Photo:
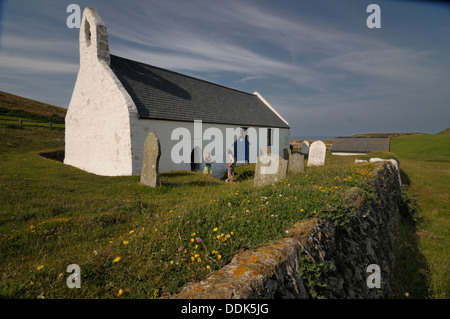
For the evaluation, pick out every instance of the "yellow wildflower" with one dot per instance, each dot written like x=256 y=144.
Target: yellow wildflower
x=215 y=229
x=126 y=242
x=219 y=256
x=116 y=259
x=40 y=267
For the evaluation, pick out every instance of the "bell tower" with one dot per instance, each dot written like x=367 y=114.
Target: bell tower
x=93 y=38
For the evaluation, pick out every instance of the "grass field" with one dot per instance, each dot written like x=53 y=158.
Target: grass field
x=137 y=241
x=425 y=159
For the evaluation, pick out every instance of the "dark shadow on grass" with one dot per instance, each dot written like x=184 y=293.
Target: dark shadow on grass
x=410 y=271
x=56 y=155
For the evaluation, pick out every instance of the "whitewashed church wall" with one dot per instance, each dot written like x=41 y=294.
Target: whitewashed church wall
x=163 y=129
x=97 y=133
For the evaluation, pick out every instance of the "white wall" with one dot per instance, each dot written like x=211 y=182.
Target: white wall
x=163 y=129
x=97 y=134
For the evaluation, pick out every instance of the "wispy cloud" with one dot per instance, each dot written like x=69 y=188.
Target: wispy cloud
x=314 y=61
x=25 y=54
x=25 y=65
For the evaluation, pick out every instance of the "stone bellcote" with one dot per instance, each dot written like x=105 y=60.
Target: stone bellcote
x=93 y=38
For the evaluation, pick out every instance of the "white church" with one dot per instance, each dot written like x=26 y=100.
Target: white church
x=117 y=102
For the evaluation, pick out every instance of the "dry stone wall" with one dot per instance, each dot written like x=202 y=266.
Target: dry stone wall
x=277 y=271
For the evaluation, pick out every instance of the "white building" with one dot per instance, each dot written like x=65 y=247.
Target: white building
x=116 y=102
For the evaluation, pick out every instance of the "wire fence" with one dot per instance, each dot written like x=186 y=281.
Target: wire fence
x=21 y=123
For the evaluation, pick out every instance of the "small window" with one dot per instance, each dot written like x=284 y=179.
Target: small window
x=269 y=137
x=87 y=32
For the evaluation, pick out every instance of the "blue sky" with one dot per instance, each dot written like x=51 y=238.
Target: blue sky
x=316 y=62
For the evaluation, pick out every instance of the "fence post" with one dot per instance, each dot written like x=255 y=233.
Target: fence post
x=50 y=124
x=20 y=123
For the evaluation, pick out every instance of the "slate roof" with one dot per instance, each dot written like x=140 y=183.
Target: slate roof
x=167 y=95
x=360 y=144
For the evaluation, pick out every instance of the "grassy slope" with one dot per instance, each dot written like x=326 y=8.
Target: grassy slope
x=426 y=161
x=14 y=108
x=18 y=103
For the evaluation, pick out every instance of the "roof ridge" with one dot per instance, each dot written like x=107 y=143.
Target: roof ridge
x=185 y=75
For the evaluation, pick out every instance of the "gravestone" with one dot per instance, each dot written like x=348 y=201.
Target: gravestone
x=296 y=163
x=304 y=148
x=317 y=152
x=270 y=168
x=150 y=165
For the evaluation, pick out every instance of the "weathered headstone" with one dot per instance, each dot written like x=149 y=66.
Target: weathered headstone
x=296 y=163
x=270 y=168
x=317 y=152
x=304 y=148
x=150 y=165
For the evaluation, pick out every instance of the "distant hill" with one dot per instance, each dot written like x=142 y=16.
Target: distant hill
x=17 y=106
x=446 y=131
x=390 y=135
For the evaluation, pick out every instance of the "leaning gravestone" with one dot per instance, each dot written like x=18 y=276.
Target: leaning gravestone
x=317 y=152
x=270 y=168
x=150 y=166
x=296 y=163
x=304 y=148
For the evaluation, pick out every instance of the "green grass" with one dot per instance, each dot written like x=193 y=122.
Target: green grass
x=425 y=162
x=53 y=215
x=30 y=122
